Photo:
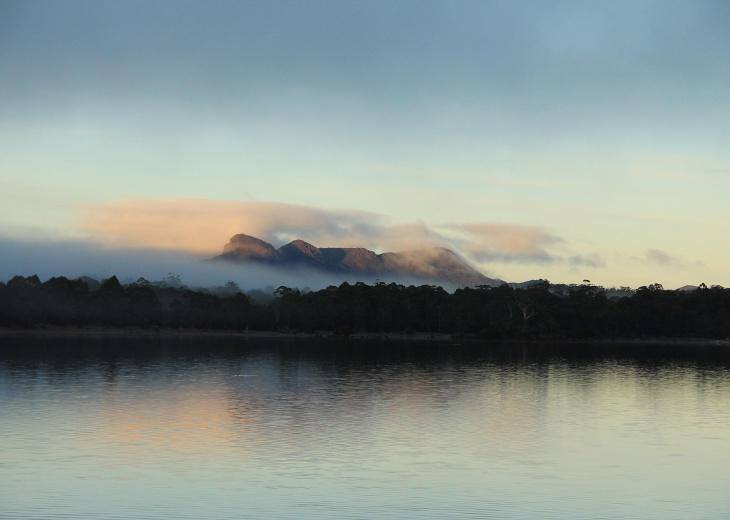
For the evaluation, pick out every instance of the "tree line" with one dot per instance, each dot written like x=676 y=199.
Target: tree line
x=538 y=310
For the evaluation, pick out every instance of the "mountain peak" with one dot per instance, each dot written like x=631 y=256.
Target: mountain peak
x=241 y=247
x=299 y=250
x=433 y=265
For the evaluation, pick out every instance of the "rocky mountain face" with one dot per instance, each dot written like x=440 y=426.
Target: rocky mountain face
x=433 y=266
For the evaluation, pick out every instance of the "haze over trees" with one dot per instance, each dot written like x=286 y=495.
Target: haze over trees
x=537 y=310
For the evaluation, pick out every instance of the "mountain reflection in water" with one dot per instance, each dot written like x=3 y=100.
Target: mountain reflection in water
x=228 y=428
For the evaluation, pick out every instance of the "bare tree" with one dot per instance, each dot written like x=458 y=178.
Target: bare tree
x=526 y=303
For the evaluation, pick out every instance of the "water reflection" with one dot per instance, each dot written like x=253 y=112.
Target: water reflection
x=229 y=428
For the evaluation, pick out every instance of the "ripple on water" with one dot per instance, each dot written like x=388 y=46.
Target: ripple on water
x=267 y=433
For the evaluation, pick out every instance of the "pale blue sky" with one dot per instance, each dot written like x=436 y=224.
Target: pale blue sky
x=571 y=139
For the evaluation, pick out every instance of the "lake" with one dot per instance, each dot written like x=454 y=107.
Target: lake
x=224 y=428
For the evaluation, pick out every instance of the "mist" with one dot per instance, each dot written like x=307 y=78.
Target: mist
x=77 y=258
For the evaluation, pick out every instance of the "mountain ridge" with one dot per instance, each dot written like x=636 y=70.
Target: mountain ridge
x=436 y=264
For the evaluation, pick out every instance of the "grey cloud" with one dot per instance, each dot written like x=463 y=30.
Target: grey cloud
x=517 y=59
x=586 y=261
x=662 y=258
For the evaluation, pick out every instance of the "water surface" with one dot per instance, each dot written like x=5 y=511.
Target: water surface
x=153 y=428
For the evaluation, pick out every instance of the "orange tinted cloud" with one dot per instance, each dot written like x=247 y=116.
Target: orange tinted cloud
x=506 y=242
x=205 y=226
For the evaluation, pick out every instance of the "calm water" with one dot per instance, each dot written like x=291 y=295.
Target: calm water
x=223 y=429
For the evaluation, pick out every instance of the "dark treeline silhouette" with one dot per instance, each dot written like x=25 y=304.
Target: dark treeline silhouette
x=539 y=310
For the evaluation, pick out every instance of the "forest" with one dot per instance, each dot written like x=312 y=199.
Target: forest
x=539 y=310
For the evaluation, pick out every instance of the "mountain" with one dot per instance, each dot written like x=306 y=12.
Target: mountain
x=435 y=265
x=687 y=288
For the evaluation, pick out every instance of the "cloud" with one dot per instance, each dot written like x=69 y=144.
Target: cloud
x=659 y=257
x=203 y=226
x=662 y=258
x=506 y=242
x=592 y=260
x=150 y=238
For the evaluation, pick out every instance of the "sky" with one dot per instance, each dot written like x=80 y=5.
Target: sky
x=536 y=139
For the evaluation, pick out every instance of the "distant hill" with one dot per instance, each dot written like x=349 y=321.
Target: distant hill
x=688 y=288
x=434 y=265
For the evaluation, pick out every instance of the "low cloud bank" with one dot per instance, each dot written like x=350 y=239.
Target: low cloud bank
x=73 y=259
x=76 y=258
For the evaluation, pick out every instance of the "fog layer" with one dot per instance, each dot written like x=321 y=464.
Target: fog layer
x=76 y=258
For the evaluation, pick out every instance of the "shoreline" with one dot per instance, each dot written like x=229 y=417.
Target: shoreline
x=128 y=332
x=52 y=330
x=88 y=331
